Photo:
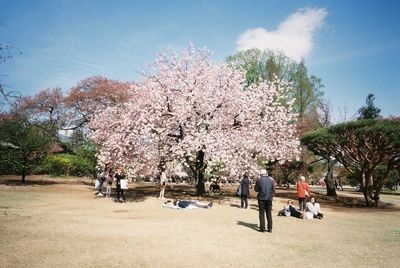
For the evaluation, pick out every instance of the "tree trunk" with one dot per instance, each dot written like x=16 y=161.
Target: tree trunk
x=24 y=170
x=23 y=175
x=367 y=196
x=377 y=195
x=378 y=188
x=161 y=165
x=200 y=188
x=200 y=168
x=368 y=187
x=329 y=181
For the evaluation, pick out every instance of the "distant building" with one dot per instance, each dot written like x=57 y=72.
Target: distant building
x=65 y=134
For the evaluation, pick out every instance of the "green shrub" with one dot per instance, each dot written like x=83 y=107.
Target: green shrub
x=67 y=164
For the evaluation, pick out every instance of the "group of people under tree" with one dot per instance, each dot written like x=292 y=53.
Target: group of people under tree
x=109 y=176
x=264 y=186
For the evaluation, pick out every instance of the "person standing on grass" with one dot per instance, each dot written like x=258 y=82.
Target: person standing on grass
x=163 y=185
x=244 y=190
x=303 y=192
x=101 y=178
x=120 y=175
x=265 y=186
x=109 y=181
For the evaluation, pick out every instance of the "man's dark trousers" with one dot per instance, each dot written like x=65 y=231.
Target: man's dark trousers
x=265 y=207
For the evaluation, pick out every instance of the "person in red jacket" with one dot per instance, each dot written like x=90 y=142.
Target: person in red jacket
x=303 y=192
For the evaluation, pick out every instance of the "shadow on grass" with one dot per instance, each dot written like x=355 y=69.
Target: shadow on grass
x=253 y=206
x=252 y=226
x=139 y=192
x=250 y=206
x=12 y=182
x=38 y=180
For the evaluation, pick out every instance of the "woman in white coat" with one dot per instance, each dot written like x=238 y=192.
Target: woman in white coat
x=163 y=185
x=314 y=210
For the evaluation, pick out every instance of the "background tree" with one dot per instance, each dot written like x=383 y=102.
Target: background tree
x=369 y=111
x=92 y=95
x=268 y=65
x=263 y=65
x=361 y=147
x=23 y=144
x=46 y=108
x=74 y=110
x=7 y=97
x=306 y=91
x=46 y=105
x=50 y=110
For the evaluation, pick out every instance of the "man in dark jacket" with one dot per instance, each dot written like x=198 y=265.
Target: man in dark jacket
x=265 y=186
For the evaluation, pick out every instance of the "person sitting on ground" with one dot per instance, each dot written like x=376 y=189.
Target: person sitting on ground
x=214 y=187
x=314 y=209
x=185 y=204
x=290 y=210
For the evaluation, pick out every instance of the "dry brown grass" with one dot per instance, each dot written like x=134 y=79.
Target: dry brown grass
x=65 y=225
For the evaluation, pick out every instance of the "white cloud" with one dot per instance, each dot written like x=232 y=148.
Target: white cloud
x=294 y=36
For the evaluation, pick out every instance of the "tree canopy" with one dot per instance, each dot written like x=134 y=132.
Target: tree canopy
x=262 y=66
x=199 y=113
x=22 y=144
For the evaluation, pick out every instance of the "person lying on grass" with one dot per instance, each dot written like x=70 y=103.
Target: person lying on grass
x=186 y=204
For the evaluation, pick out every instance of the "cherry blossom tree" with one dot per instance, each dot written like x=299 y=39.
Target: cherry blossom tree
x=187 y=109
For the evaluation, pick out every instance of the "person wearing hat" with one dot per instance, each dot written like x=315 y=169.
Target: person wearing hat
x=265 y=187
x=303 y=192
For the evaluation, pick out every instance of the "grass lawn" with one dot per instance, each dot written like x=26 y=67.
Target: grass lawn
x=58 y=224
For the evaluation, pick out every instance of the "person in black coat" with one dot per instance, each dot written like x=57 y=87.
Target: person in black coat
x=245 y=185
x=265 y=186
x=120 y=175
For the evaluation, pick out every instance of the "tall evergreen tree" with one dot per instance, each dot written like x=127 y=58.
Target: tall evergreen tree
x=369 y=111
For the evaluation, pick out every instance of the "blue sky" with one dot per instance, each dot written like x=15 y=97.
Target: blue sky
x=353 y=46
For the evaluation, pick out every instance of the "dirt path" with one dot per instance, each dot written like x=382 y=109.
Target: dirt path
x=65 y=225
